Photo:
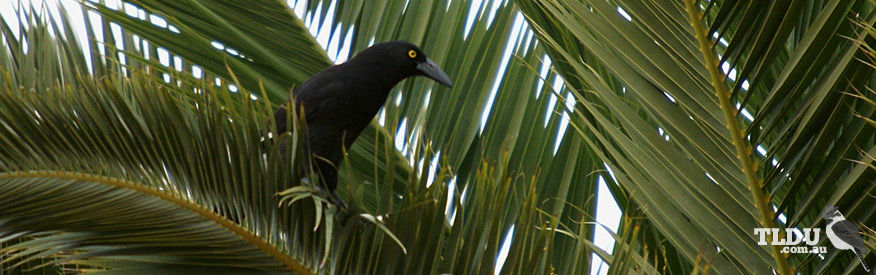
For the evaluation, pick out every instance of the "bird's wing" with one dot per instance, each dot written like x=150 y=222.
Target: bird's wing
x=280 y=117
x=848 y=232
x=321 y=101
x=317 y=99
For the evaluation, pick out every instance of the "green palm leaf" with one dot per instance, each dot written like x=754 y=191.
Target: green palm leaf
x=223 y=169
x=166 y=179
x=689 y=180
x=159 y=160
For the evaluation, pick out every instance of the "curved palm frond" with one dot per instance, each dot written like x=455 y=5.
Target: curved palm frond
x=167 y=179
x=787 y=66
x=126 y=219
x=229 y=178
x=452 y=174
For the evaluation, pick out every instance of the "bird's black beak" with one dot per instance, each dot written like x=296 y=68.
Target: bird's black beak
x=430 y=70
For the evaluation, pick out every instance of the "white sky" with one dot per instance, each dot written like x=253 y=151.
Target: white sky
x=7 y=11
x=608 y=212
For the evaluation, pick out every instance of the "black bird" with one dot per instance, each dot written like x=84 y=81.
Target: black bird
x=340 y=101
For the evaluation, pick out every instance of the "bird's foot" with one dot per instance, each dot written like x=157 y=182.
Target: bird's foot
x=337 y=200
x=331 y=196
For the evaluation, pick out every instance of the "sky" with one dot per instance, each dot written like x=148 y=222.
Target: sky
x=607 y=211
x=7 y=11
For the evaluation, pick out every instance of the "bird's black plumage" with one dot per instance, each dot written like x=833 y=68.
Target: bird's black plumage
x=341 y=101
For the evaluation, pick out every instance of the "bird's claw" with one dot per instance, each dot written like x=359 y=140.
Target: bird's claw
x=332 y=198
x=336 y=200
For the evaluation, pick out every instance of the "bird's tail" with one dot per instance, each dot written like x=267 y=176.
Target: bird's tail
x=860 y=255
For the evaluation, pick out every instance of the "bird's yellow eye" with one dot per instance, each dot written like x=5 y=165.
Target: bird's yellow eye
x=412 y=54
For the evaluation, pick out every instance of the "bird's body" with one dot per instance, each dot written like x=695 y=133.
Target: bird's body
x=341 y=101
x=844 y=234
x=839 y=227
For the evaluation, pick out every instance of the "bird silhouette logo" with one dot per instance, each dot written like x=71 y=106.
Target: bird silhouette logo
x=844 y=234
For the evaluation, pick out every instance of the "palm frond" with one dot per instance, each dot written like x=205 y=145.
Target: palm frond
x=228 y=170
x=163 y=136
x=647 y=70
x=127 y=168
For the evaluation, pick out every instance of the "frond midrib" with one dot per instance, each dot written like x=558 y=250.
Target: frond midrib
x=238 y=230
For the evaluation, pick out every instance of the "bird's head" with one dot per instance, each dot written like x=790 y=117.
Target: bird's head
x=405 y=59
x=830 y=212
